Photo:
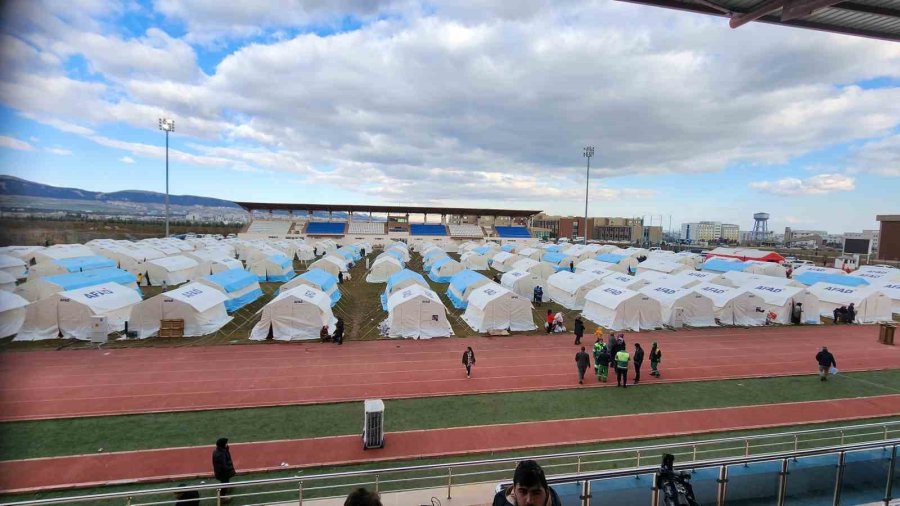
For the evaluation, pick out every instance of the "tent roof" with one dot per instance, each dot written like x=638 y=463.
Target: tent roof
x=503 y=256
x=306 y=293
x=197 y=295
x=841 y=294
x=175 y=263
x=10 y=301
x=75 y=264
x=665 y=292
x=661 y=265
x=75 y=280
x=10 y=261
x=554 y=258
x=610 y=296
x=723 y=265
x=319 y=277
x=483 y=295
x=389 y=259
x=719 y=294
x=610 y=258
x=773 y=294
x=464 y=278
x=232 y=280
x=103 y=297
x=525 y=263
x=811 y=278
x=403 y=275
x=570 y=281
x=409 y=293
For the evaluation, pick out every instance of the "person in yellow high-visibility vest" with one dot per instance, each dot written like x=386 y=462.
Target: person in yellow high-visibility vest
x=622 y=359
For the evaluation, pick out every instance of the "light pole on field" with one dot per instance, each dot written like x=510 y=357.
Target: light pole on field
x=588 y=153
x=167 y=125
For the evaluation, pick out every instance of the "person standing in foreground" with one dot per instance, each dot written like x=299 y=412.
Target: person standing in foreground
x=638 y=360
x=579 y=330
x=468 y=360
x=622 y=359
x=583 y=361
x=338 y=336
x=223 y=467
x=362 y=497
x=529 y=488
x=655 y=359
x=826 y=362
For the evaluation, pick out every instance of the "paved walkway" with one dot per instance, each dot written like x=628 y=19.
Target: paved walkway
x=73 y=383
x=176 y=463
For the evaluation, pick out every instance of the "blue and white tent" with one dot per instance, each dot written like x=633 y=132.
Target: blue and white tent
x=41 y=288
x=321 y=280
x=72 y=264
x=618 y=263
x=560 y=261
x=462 y=284
x=240 y=286
x=350 y=253
x=272 y=268
x=399 y=281
x=715 y=264
x=431 y=257
x=397 y=253
x=443 y=269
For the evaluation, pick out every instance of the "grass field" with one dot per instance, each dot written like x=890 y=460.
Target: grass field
x=19 y=440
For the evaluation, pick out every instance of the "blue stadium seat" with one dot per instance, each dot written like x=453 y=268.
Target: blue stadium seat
x=513 y=232
x=325 y=228
x=423 y=229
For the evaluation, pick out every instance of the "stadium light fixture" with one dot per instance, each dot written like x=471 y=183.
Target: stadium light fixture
x=588 y=153
x=167 y=125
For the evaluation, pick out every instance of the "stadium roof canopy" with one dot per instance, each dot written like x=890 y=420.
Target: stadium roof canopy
x=878 y=19
x=357 y=208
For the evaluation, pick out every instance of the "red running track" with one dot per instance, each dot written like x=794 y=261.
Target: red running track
x=75 y=383
x=177 y=463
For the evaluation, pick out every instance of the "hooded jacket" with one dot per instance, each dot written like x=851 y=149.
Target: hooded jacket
x=223 y=468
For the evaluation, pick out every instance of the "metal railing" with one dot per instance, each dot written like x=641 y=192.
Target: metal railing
x=298 y=488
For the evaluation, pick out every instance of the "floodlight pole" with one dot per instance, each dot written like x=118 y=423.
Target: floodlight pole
x=167 y=125
x=588 y=153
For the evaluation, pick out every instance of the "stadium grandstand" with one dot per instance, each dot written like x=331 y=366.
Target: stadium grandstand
x=381 y=224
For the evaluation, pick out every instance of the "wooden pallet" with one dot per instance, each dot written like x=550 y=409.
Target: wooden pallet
x=171 y=328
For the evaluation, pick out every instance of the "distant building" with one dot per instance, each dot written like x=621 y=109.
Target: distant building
x=854 y=242
x=710 y=231
x=889 y=237
x=631 y=230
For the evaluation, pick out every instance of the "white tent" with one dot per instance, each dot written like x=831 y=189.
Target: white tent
x=660 y=265
x=569 y=289
x=212 y=261
x=892 y=290
x=816 y=268
x=7 y=282
x=493 y=307
x=871 y=304
x=201 y=307
x=681 y=306
x=305 y=253
x=241 y=287
x=60 y=251
x=71 y=264
x=653 y=276
x=318 y=279
x=474 y=261
x=521 y=282
x=325 y=247
x=532 y=253
x=737 y=279
x=172 y=271
x=13 y=266
x=626 y=281
x=689 y=278
x=779 y=300
x=70 y=313
x=633 y=252
x=503 y=261
x=40 y=288
x=296 y=314
x=616 y=308
x=331 y=264
x=734 y=306
x=382 y=268
x=618 y=263
x=877 y=274
x=417 y=312
x=130 y=258
x=24 y=253
x=443 y=270
x=765 y=268
x=12 y=313
x=542 y=269
x=401 y=248
x=592 y=265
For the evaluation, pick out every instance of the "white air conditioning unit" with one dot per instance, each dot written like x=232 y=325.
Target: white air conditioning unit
x=99 y=330
x=373 y=424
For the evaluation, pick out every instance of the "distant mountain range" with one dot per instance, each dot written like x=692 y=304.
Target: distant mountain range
x=11 y=185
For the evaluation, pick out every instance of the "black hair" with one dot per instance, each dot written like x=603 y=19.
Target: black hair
x=529 y=474
x=362 y=497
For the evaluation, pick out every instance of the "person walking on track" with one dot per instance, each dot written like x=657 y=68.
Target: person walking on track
x=583 y=361
x=622 y=359
x=601 y=360
x=579 y=330
x=468 y=360
x=655 y=359
x=638 y=359
x=223 y=467
x=826 y=362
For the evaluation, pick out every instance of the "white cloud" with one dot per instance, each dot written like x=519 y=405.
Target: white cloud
x=126 y=159
x=881 y=157
x=13 y=143
x=59 y=151
x=815 y=185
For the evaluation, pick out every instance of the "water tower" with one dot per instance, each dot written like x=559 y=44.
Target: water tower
x=760 y=227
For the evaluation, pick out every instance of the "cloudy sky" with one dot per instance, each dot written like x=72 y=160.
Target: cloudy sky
x=485 y=103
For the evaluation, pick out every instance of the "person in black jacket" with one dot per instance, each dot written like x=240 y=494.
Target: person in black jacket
x=223 y=467
x=187 y=497
x=579 y=329
x=826 y=361
x=338 y=336
x=583 y=361
x=529 y=488
x=468 y=360
x=638 y=359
